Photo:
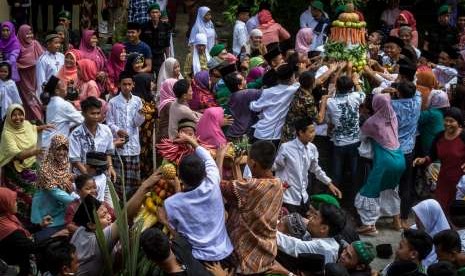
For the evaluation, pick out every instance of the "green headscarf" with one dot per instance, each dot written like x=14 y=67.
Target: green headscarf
x=255 y=62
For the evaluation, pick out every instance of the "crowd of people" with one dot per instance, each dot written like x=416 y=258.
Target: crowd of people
x=329 y=144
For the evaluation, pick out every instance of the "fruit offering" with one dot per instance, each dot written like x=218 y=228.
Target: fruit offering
x=168 y=171
x=348 y=29
x=357 y=55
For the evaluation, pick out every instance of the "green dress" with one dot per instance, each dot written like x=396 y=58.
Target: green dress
x=431 y=123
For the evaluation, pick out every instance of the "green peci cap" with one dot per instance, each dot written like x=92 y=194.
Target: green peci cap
x=316 y=200
x=153 y=6
x=64 y=14
x=217 y=49
x=443 y=10
x=365 y=251
x=317 y=5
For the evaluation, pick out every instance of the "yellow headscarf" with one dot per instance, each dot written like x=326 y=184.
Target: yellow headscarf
x=16 y=139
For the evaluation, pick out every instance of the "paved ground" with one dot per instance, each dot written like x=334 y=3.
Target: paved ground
x=386 y=235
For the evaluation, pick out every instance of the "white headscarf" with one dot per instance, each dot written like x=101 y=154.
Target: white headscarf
x=201 y=26
x=255 y=32
x=166 y=72
x=200 y=39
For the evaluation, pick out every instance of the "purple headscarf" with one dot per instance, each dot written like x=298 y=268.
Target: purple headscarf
x=11 y=43
x=202 y=78
x=255 y=73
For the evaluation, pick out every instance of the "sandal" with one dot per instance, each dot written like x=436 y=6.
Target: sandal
x=365 y=228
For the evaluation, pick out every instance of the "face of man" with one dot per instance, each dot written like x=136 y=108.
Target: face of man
x=349 y=258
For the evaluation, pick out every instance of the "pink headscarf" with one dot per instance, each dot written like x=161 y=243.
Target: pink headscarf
x=93 y=53
x=265 y=18
x=303 y=40
x=88 y=70
x=30 y=52
x=115 y=65
x=166 y=93
x=9 y=223
x=209 y=127
x=382 y=126
x=255 y=73
x=408 y=16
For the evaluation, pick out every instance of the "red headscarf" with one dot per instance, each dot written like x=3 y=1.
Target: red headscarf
x=408 y=16
x=265 y=18
x=66 y=73
x=8 y=220
x=115 y=65
x=88 y=70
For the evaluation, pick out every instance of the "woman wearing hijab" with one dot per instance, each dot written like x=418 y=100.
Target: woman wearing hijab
x=115 y=65
x=303 y=41
x=87 y=72
x=198 y=59
x=272 y=32
x=170 y=69
x=16 y=244
x=18 y=146
x=55 y=183
x=134 y=63
x=144 y=89
x=430 y=218
x=167 y=97
x=10 y=48
x=449 y=148
x=90 y=50
x=388 y=165
x=30 y=52
x=202 y=97
x=62 y=31
x=426 y=82
x=203 y=24
x=209 y=127
x=68 y=72
x=255 y=46
x=406 y=18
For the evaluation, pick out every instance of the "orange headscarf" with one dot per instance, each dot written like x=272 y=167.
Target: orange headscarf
x=67 y=74
x=426 y=82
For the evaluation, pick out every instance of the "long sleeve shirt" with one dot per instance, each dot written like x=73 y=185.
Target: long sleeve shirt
x=446 y=76
x=327 y=247
x=8 y=95
x=47 y=65
x=178 y=112
x=198 y=214
x=273 y=106
x=124 y=115
x=240 y=37
x=408 y=114
x=63 y=115
x=292 y=164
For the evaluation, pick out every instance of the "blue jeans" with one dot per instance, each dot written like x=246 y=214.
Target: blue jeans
x=344 y=156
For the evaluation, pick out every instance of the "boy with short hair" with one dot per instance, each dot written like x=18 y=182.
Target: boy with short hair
x=91 y=136
x=356 y=258
x=124 y=117
x=135 y=45
x=448 y=248
x=295 y=159
x=240 y=33
x=50 y=62
x=445 y=74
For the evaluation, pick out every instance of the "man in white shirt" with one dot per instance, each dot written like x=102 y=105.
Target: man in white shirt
x=91 y=136
x=124 y=117
x=273 y=105
x=50 y=62
x=316 y=19
x=240 y=34
x=292 y=164
x=60 y=113
x=198 y=211
x=323 y=225
x=342 y=116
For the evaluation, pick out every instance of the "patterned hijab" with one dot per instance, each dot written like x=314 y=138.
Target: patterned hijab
x=55 y=171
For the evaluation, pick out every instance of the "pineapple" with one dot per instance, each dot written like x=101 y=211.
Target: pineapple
x=168 y=171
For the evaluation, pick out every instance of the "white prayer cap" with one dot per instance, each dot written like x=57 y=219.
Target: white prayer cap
x=256 y=32
x=200 y=39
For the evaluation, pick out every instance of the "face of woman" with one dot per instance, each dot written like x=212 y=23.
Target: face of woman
x=17 y=117
x=62 y=36
x=201 y=48
x=69 y=61
x=406 y=37
x=189 y=94
x=123 y=55
x=61 y=153
x=93 y=41
x=176 y=70
x=450 y=125
x=207 y=17
x=29 y=36
x=5 y=33
x=137 y=67
x=256 y=40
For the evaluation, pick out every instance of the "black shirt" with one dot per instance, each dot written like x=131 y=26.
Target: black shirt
x=158 y=38
x=183 y=252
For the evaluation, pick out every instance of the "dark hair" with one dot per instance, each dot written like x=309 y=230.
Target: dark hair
x=334 y=217
x=407 y=68
x=124 y=75
x=90 y=102
x=133 y=26
x=81 y=180
x=302 y=124
x=442 y=269
x=85 y=212
x=455 y=113
x=9 y=68
x=263 y=152
x=232 y=81
x=192 y=171
x=155 y=244
x=406 y=89
x=344 y=84
x=180 y=88
x=284 y=72
x=420 y=241
x=448 y=240
x=186 y=120
x=457 y=213
x=58 y=254
x=307 y=79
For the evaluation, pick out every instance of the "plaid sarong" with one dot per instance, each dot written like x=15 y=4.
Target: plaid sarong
x=131 y=166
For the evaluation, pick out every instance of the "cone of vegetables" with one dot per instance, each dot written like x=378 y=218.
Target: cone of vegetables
x=338 y=51
x=348 y=29
x=174 y=152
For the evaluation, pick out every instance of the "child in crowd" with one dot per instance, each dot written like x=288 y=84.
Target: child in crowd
x=444 y=71
x=8 y=91
x=448 y=248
